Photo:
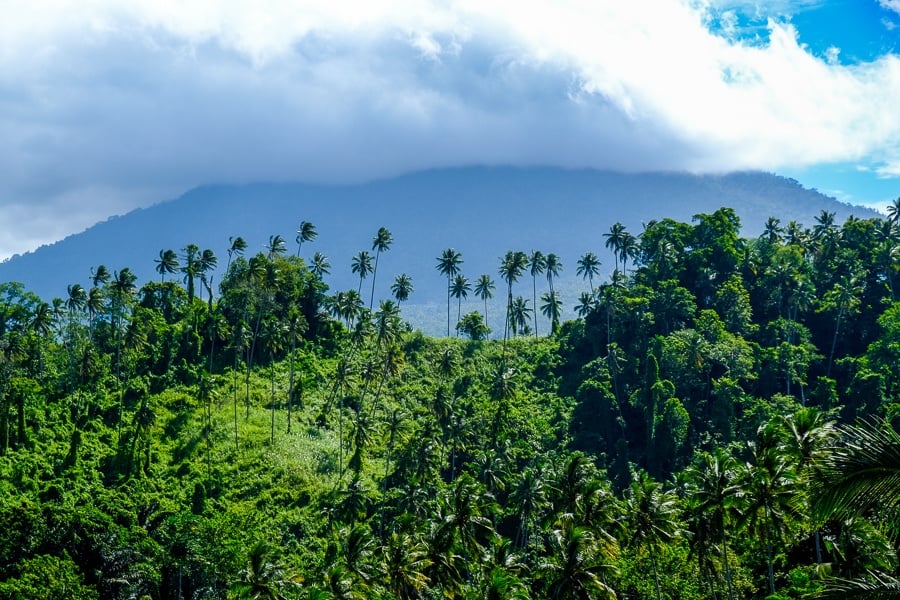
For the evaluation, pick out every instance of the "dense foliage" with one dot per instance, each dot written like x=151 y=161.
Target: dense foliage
x=263 y=438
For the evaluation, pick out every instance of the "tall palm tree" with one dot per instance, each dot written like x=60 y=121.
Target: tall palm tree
x=448 y=265
x=511 y=268
x=167 y=263
x=306 y=232
x=551 y=307
x=842 y=299
x=206 y=262
x=189 y=268
x=100 y=276
x=554 y=266
x=402 y=287
x=614 y=240
x=630 y=249
x=76 y=299
x=484 y=289
x=537 y=263
x=320 y=265
x=237 y=246
x=578 y=564
x=361 y=264
x=893 y=212
x=460 y=290
x=380 y=243
x=586 y=303
x=275 y=247
x=588 y=267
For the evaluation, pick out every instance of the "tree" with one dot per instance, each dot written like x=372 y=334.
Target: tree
x=381 y=243
x=473 y=326
x=537 y=262
x=511 y=268
x=166 y=264
x=275 y=247
x=448 y=265
x=460 y=290
x=588 y=267
x=320 y=265
x=842 y=299
x=361 y=264
x=189 y=268
x=306 y=232
x=586 y=304
x=206 y=262
x=614 y=241
x=520 y=315
x=554 y=266
x=577 y=563
x=236 y=246
x=551 y=308
x=484 y=289
x=263 y=578
x=651 y=518
x=402 y=287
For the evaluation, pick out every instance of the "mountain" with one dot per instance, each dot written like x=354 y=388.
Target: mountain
x=480 y=211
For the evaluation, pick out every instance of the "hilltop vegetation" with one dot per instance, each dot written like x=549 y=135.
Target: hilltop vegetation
x=268 y=437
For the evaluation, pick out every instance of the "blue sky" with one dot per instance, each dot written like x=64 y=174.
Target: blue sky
x=106 y=106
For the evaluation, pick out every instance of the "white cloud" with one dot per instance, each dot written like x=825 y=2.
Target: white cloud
x=893 y=5
x=135 y=101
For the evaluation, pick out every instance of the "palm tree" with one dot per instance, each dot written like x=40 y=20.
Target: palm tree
x=237 y=245
x=94 y=306
x=537 y=262
x=630 y=249
x=554 y=266
x=843 y=299
x=860 y=476
x=361 y=264
x=484 y=289
x=167 y=263
x=448 y=265
x=275 y=247
x=263 y=578
x=380 y=243
x=577 y=564
x=306 y=232
x=320 y=265
x=206 y=262
x=651 y=515
x=460 y=289
x=614 y=241
x=520 y=315
x=100 y=276
x=712 y=492
x=511 y=268
x=588 y=267
x=189 y=268
x=551 y=308
x=76 y=299
x=402 y=287
x=586 y=303
x=893 y=212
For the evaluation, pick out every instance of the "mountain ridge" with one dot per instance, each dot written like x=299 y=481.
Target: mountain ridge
x=480 y=211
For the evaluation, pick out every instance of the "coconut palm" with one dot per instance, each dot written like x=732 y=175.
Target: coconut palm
x=860 y=476
x=306 y=232
x=577 y=564
x=630 y=248
x=77 y=298
x=614 y=241
x=448 y=265
x=484 y=289
x=520 y=315
x=651 y=515
x=460 y=289
x=588 y=267
x=167 y=263
x=361 y=264
x=100 y=276
x=511 y=268
x=237 y=246
x=551 y=307
x=537 y=263
x=553 y=267
x=380 y=243
x=206 y=262
x=586 y=303
x=189 y=268
x=320 y=265
x=402 y=287
x=843 y=300
x=275 y=247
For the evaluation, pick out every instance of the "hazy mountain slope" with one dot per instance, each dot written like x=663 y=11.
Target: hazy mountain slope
x=482 y=212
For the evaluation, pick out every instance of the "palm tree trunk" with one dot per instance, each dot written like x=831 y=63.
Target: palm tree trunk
x=290 y=402
x=655 y=573
x=534 y=304
x=837 y=326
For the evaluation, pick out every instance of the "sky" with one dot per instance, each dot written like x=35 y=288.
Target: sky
x=106 y=106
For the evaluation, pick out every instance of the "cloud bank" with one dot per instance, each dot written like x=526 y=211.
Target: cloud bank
x=105 y=106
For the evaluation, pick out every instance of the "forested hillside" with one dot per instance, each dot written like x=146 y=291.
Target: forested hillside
x=270 y=437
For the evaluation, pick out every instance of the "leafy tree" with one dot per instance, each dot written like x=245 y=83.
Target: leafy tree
x=473 y=326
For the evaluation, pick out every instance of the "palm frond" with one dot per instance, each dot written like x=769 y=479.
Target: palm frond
x=877 y=586
x=860 y=474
